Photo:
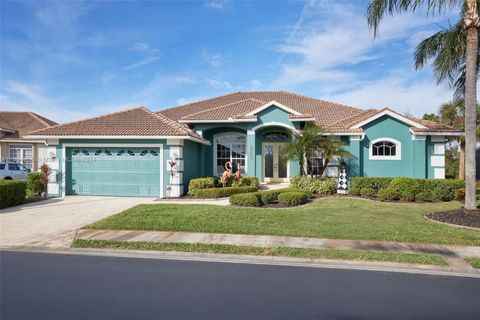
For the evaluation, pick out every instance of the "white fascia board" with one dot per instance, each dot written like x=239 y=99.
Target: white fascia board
x=24 y=141
x=199 y=140
x=450 y=134
x=343 y=133
x=302 y=119
x=7 y=130
x=218 y=121
x=391 y=114
x=269 y=104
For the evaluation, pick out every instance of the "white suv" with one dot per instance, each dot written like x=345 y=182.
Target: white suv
x=13 y=171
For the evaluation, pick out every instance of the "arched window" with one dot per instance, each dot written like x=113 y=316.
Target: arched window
x=385 y=149
x=230 y=147
x=275 y=136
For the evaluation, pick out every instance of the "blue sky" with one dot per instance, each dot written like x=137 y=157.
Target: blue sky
x=68 y=60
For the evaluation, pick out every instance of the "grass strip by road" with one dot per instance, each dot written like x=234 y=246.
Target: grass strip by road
x=331 y=218
x=331 y=254
x=474 y=262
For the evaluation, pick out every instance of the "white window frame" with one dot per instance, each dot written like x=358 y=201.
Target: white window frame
x=398 y=150
x=22 y=148
x=215 y=150
x=319 y=156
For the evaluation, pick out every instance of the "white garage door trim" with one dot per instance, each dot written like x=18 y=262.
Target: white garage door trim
x=111 y=145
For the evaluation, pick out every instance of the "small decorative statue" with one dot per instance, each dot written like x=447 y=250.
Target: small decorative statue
x=226 y=174
x=172 y=167
x=342 y=183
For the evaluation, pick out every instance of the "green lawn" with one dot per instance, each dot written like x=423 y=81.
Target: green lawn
x=335 y=218
x=474 y=262
x=280 y=251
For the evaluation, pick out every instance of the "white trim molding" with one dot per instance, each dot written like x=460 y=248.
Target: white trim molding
x=199 y=140
x=390 y=114
x=398 y=151
x=302 y=119
x=273 y=103
x=271 y=124
x=229 y=120
x=110 y=145
x=438 y=134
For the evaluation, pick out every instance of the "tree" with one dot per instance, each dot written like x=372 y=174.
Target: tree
x=469 y=22
x=302 y=145
x=431 y=117
x=331 y=148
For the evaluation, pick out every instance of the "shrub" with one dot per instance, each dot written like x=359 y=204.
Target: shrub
x=245 y=200
x=35 y=184
x=425 y=195
x=405 y=187
x=443 y=192
x=317 y=185
x=460 y=195
x=268 y=197
x=292 y=198
x=12 y=192
x=386 y=194
x=368 y=192
x=202 y=183
x=375 y=183
x=222 y=192
x=246 y=181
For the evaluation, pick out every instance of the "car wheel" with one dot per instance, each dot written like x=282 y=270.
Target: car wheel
x=8 y=178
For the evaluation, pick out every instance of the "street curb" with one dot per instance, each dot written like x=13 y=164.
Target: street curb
x=255 y=260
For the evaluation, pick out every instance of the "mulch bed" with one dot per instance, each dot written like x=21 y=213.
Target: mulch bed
x=458 y=217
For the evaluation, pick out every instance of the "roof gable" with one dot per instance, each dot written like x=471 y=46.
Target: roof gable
x=389 y=113
x=20 y=124
x=132 y=122
x=273 y=103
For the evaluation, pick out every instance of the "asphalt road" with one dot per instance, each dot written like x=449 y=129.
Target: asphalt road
x=50 y=286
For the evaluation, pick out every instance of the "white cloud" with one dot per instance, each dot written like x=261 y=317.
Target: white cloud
x=17 y=96
x=334 y=37
x=214 y=59
x=217 y=4
x=140 y=63
x=139 y=47
x=218 y=84
x=399 y=92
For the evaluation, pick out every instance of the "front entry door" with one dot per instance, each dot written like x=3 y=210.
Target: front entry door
x=275 y=168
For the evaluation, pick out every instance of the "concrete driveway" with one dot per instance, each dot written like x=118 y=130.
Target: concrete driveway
x=54 y=222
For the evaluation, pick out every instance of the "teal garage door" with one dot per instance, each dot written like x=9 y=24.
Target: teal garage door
x=113 y=171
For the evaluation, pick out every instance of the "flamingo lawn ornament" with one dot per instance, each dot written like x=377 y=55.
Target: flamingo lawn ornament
x=236 y=175
x=226 y=174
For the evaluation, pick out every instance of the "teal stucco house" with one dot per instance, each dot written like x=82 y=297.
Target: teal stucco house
x=139 y=152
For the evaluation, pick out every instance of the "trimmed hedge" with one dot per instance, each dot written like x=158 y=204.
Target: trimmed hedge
x=292 y=198
x=327 y=185
x=202 y=183
x=35 y=185
x=12 y=192
x=214 y=182
x=245 y=200
x=246 y=181
x=375 y=183
x=407 y=189
x=222 y=192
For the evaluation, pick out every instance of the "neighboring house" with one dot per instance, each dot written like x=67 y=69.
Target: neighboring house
x=14 y=126
x=145 y=153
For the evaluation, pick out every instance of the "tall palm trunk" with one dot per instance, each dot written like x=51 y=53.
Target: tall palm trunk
x=471 y=21
x=461 y=162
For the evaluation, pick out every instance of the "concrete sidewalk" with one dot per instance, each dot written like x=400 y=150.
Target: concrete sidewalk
x=454 y=254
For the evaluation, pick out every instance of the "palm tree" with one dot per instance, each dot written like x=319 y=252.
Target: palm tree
x=470 y=22
x=331 y=148
x=310 y=140
x=302 y=145
x=453 y=114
